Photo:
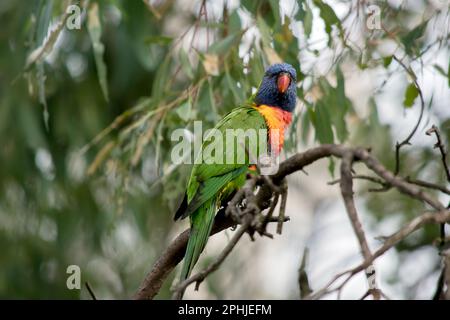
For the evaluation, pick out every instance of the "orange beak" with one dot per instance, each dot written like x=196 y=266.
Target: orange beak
x=283 y=82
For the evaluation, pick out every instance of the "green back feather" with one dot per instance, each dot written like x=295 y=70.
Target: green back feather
x=210 y=183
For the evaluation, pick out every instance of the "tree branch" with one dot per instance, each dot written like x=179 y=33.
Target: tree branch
x=428 y=185
x=262 y=200
x=170 y=258
x=415 y=224
x=446 y=272
x=347 y=195
x=441 y=148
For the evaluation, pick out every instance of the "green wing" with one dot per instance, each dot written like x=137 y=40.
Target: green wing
x=208 y=179
x=210 y=183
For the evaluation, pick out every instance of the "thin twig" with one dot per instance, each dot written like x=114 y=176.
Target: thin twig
x=441 y=147
x=91 y=292
x=406 y=141
x=446 y=269
x=428 y=185
x=415 y=224
x=359 y=177
x=440 y=285
x=282 y=207
x=199 y=277
x=269 y=215
x=303 y=282
x=262 y=200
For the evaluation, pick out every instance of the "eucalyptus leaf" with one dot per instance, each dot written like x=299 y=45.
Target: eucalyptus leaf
x=224 y=45
x=160 y=40
x=95 y=32
x=387 y=61
x=322 y=123
x=184 y=111
x=308 y=20
x=161 y=79
x=411 y=94
x=328 y=16
x=186 y=64
x=411 y=37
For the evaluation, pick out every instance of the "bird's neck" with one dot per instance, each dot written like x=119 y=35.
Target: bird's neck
x=277 y=120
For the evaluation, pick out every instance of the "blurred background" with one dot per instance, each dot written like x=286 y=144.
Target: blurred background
x=90 y=92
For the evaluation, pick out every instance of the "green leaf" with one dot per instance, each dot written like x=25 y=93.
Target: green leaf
x=225 y=44
x=205 y=104
x=300 y=75
x=322 y=123
x=335 y=105
x=265 y=31
x=46 y=34
x=45 y=14
x=374 y=120
x=160 y=40
x=307 y=22
x=250 y=5
x=291 y=142
x=161 y=78
x=185 y=111
x=442 y=71
x=212 y=101
x=275 y=5
x=416 y=33
x=186 y=64
x=42 y=95
x=256 y=69
x=340 y=108
x=306 y=124
x=235 y=22
x=331 y=166
x=95 y=32
x=235 y=90
x=300 y=15
x=387 y=61
x=328 y=16
x=411 y=94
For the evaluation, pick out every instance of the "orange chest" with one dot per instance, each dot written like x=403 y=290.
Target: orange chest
x=277 y=120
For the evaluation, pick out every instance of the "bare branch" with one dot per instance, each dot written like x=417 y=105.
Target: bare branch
x=428 y=185
x=281 y=215
x=441 y=147
x=91 y=292
x=262 y=200
x=360 y=177
x=170 y=258
x=347 y=195
x=446 y=271
x=303 y=282
x=401 y=184
x=417 y=223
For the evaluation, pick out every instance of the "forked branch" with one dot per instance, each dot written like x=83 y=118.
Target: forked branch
x=264 y=197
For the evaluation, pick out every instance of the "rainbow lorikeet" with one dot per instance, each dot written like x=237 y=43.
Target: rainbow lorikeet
x=211 y=186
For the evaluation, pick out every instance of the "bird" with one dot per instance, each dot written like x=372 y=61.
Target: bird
x=211 y=186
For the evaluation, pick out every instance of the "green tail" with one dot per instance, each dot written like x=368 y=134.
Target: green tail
x=201 y=224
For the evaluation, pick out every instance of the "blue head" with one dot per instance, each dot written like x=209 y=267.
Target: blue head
x=278 y=87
